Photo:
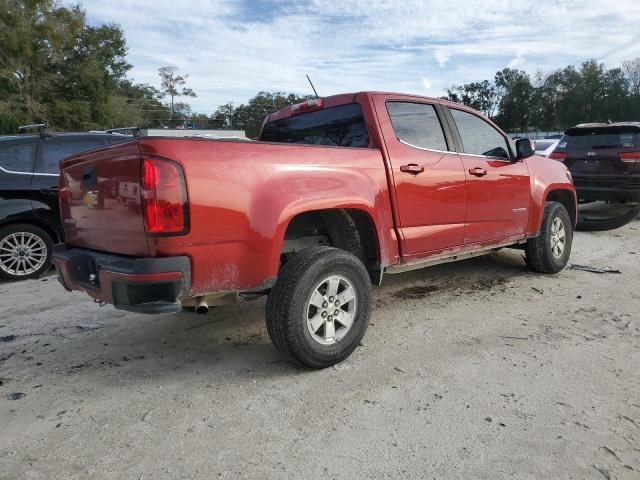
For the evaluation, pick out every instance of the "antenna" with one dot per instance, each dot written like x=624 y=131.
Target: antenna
x=314 y=88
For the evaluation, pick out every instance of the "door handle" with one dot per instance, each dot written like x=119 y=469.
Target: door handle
x=49 y=191
x=478 y=171
x=412 y=168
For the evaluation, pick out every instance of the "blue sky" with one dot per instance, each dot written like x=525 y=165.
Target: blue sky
x=234 y=48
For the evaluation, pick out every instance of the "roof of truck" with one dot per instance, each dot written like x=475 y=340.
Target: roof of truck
x=342 y=98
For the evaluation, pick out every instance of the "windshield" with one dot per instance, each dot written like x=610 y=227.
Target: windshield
x=341 y=126
x=594 y=138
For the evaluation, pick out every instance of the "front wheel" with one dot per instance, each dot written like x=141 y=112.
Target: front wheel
x=549 y=252
x=319 y=308
x=25 y=251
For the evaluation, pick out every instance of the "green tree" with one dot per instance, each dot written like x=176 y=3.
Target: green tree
x=172 y=85
x=479 y=95
x=222 y=117
x=515 y=93
x=136 y=105
x=249 y=117
x=54 y=67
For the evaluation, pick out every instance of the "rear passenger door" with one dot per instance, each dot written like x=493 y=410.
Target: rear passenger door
x=16 y=169
x=44 y=186
x=498 y=188
x=428 y=175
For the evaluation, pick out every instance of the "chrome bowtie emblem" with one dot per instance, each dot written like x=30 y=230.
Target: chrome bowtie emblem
x=90 y=198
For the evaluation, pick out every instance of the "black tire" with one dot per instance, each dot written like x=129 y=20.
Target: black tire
x=288 y=306
x=539 y=252
x=8 y=271
x=586 y=224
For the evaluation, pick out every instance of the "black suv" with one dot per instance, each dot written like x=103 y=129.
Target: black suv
x=604 y=159
x=29 y=215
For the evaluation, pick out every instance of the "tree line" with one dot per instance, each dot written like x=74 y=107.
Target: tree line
x=556 y=100
x=57 y=69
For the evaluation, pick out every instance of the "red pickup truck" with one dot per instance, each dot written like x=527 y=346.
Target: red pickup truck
x=336 y=192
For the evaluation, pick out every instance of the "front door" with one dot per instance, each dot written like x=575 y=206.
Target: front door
x=498 y=187
x=428 y=175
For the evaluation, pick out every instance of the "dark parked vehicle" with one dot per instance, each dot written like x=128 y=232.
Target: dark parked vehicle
x=604 y=159
x=29 y=214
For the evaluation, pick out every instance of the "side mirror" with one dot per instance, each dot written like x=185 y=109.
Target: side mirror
x=524 y=148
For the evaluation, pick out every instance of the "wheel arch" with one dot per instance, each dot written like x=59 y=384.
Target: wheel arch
x=349 y=228
x=568 y=199
x=56 y=236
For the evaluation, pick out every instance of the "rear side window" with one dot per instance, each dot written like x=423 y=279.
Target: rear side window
x=53 y=152
x=417 y=125
x=594 y=138
x=18 y=158
x=478 y=137
x=341 y=126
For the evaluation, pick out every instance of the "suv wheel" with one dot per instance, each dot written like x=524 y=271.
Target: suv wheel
x=25 y=251
x=549 y=252
x=319 y=308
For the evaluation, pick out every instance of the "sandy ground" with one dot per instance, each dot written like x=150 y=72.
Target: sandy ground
x=479 y=369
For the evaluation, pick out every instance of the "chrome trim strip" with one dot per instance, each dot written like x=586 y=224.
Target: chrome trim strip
x=30 y=173
x=426 y=149
x=500 y=159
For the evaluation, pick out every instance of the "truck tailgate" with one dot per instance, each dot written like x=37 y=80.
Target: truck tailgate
x=100 y=200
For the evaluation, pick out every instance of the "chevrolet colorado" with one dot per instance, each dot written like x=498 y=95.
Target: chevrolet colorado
x=335 y=192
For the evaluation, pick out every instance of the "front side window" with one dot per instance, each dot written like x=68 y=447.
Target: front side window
x=55 y=151
x=417 y=125
x=18 y=158
x=478 y=137
x=341 y=126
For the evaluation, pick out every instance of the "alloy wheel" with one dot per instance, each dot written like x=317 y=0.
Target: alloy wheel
x=331 y=310
x=22 y=253
x=558 y=237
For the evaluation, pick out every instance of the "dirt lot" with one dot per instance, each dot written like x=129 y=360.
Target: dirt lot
x=473 y=370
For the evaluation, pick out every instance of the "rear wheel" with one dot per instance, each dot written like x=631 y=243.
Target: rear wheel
x=25 y=251
x=319 y=309
x=549 y=252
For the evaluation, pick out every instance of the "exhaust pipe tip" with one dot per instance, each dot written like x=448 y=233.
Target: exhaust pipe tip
x=202 y=307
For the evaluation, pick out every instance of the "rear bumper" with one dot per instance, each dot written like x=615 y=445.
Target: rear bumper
x=617 y=189
x=141 y=285
x=608 y=194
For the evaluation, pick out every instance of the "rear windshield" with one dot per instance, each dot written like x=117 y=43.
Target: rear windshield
x=341 y=126
x=594 y=138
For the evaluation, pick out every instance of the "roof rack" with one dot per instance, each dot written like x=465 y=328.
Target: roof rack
x=42 y=128
x=135 y=131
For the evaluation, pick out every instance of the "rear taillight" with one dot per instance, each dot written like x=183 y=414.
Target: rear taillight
x=560 y=156
x=630 y=157
x=164 y=197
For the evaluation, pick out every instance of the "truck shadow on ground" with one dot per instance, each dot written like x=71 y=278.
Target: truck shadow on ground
x=230 y=340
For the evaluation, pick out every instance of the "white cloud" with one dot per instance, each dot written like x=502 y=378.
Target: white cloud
x=355 y=45
x=517 y=61
x=442 y=57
